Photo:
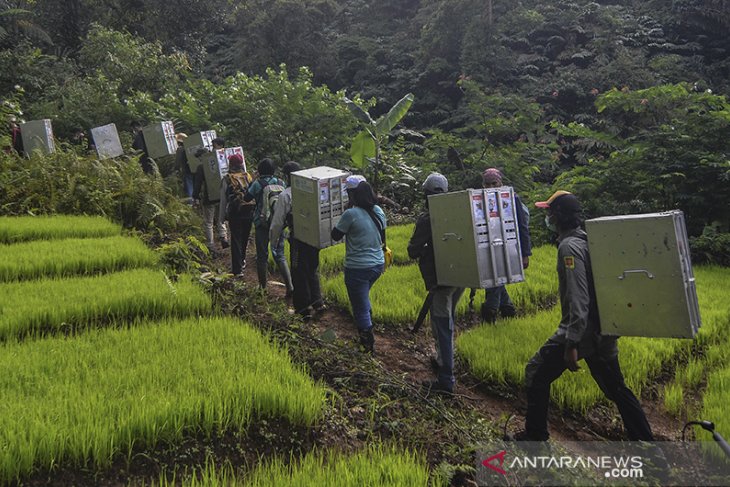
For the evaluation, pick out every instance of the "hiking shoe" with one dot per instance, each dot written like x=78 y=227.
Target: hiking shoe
x=437 y=388
x=320 y=308
x=367 y=340
x=225 y=244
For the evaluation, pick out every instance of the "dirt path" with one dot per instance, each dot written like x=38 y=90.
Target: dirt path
x=407 y=356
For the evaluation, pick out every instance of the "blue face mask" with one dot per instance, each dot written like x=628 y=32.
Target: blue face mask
x=550 y=225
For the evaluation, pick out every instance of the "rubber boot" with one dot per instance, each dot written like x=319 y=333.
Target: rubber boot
x=261 y=270
x=367 y=340
x=508 y=311
x=489 y=315
x=286 y=277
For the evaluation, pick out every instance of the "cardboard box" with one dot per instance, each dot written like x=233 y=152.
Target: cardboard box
x=643 y=275
x=319 y=198
x=475 y=238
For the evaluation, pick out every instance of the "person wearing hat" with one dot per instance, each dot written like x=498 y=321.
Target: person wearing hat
x=496 y=299
x=181 y=161
x=16 y=139
x=351 y=183
x=579 y=334
x=443 y=298
x=364 y=257
x=234 y=209
x=304 y=265
x=266 y=169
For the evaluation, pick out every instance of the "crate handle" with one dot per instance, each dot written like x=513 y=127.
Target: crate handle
x=635 y=271
x=446 y=236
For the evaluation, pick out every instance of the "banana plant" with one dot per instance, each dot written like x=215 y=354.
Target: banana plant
x=366 y=144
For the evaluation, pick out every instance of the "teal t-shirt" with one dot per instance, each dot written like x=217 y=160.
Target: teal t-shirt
x=363 y=247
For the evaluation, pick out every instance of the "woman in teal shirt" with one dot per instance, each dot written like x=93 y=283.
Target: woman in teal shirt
x=364 y=260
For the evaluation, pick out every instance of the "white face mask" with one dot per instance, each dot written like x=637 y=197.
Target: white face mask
x=550 y=225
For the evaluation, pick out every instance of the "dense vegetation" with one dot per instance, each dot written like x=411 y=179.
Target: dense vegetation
x=622 y=102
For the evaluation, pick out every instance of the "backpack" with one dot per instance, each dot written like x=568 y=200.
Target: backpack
x=269 y=197
x=237 y=188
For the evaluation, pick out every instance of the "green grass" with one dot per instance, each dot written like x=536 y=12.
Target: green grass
x=376 y=466
x=399 y=293
x=25 y=228
x=49 y=304
x=81 y=401
x=713 y=337
x=715 y=405
x=332 y=259
x=498 y=353
x=69 y=257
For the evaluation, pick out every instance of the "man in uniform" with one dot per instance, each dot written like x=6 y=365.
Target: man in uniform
x=578 y=335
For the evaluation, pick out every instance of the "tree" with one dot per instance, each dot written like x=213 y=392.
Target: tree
x=367 y=144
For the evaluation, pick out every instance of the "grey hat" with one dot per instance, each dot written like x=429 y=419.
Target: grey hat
x=436 y=183
x=353 y=181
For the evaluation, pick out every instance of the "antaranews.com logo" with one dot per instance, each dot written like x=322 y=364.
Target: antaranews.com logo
x=613 y=467
x=601 y=463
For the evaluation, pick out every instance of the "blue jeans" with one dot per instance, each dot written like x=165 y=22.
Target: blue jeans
x=358 y=283
x=497 y=298
x=188 y=184
x=442 y=311
x=262 y=256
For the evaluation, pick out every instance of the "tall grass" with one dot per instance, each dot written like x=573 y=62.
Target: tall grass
x=332 y=259
x=48 y=304
x=81 y=401
x=715 y=404
x=375 y=466
x=49 y=258
x=399 y=293
x=539 y=289
x=24 y=228
x=713 y=338
x=498 y=353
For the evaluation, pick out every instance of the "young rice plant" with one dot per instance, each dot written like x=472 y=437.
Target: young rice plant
x=25 y=228
x=82 y=401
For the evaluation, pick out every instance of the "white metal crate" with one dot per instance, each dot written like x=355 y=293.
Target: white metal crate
x=106 y=141
x=475 y=238
x=643 y=275
x=37 y=134
x=319 y=198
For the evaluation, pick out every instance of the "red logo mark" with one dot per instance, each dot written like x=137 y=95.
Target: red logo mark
x=499 y=456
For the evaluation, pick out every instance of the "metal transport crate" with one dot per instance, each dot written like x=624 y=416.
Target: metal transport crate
x=319 y=198
x=475 y=238
x=37 y=134
x=193 y=144
x=643 y=275
x=106 y=141
x=160 y=139
x=215 y=167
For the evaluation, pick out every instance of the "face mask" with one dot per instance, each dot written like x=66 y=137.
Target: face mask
x=550 y=225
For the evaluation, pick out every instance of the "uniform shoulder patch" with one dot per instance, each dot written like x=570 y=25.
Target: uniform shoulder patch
x=569 y=261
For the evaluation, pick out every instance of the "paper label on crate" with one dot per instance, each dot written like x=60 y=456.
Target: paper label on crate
x=506 y=206
x=207 y=138
x=49 y=135
x=168 y=129
x=324 y=192
x=492 y=205
x=478 y=208
x=222 y=156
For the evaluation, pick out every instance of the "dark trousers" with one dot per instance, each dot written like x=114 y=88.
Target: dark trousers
x=304 y=275
x=548 y=364
x=240 y=230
